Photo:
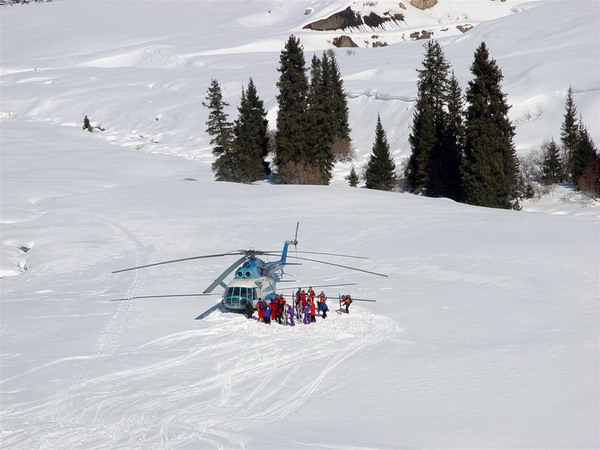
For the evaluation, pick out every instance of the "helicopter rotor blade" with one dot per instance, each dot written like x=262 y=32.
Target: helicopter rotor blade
x=287 y=288
x=221 y=277
x=296 y=235
x=179 y=260
x=321 y=253
x=158 y=296
x=340 y=265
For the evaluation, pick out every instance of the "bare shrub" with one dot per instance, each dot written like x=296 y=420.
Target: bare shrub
x=299 y=173
x=342 y=150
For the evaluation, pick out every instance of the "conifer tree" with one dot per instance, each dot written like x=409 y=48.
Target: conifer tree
x=584 y=153
x=381 y=170
x=352 y=178
x=490 y=167
x=250 y=145
x=552 y=170
x=221 y=132
x=337 y=95
x=292 y=142
x=423 y=141
x=321 y=129
x=453 y=143
x=426 y=165
x=569 y=135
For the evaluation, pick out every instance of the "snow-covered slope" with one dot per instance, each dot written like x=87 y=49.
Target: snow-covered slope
x=485 y=334
x=142 y=73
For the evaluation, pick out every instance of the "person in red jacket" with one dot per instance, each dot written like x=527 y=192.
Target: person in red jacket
x=345 y=301
x=280 y=308
x=273 y=307
x=261 y=306
x=313 y=311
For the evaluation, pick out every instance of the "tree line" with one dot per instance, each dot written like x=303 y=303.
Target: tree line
x=576 y=160
x=462 y=146
x=312 y=133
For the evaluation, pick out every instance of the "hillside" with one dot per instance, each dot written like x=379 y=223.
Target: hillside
x=145 y=80
x=484 y=335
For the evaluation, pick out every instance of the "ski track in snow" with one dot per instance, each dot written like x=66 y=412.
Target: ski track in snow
x=246 y=387
x=110 y=336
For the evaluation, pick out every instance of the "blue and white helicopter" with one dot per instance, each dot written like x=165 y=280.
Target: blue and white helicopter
x=254 y=278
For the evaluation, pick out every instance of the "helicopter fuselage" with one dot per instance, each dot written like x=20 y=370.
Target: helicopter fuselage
x=252 y=282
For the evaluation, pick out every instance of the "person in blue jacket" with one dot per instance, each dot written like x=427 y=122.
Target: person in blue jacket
x=267 y=315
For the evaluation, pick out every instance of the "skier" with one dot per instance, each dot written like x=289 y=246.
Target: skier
x=313 y=311
x=273 y=307
x=311 y=293
x=306 y=311
x=249 y=309
x=261 y=306
x=322 y=304
x=267 y=316
x=324 y=309
x=303 y=298
x=291 y=315
x=346 y=300
x=280 y=303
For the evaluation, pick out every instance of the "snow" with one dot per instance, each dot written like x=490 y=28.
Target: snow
x=485 y=335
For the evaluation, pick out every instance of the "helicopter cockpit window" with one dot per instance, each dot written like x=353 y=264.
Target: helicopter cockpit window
x=240 y=294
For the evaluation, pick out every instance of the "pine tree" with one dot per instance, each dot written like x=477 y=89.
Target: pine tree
x=250 y=145
x=221 y=132
x=552 y=169
x=352 y=178
x=584 y=153
x=321 y=129
x=423 y=141
x=453 y=143
x=490 y=167
x=590 y=179
x=381 y=170
x=335 y=85
x=292 y=142
x=427 y=139
x=569 y=135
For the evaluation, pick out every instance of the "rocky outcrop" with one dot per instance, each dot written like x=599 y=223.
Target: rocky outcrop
x=349 y=18
x=423 y=4
x=344 y=41
x=423 y=34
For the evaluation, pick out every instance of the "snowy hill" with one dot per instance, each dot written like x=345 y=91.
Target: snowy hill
x=485 y=333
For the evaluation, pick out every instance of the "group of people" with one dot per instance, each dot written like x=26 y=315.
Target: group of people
x=304 y=307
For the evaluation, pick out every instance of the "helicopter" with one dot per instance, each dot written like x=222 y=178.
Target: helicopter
x=254 y=278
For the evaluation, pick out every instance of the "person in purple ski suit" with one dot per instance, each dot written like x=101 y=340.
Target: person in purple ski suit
x=306 y=311
x=291 y=315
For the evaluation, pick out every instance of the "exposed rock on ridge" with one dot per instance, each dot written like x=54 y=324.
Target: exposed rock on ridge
x=351 y=19
x=423 y=4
